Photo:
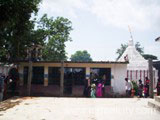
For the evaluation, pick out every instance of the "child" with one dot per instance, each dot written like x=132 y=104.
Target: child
x=93 y=91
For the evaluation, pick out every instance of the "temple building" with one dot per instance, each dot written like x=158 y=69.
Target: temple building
x=138 y=67
x=50 y=78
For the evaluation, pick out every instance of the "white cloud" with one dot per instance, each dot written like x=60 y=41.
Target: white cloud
x=141 y=14
x=62 y=7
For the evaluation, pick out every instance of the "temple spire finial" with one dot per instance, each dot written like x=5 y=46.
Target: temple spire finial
x=131 y=39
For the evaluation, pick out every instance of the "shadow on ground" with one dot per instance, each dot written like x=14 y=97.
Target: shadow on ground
x=10 y=103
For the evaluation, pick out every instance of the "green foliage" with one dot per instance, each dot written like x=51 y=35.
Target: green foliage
x=121 y=50
x=139 y=48
x=82 y=56
x=56 y=33
x=148 y=56
x=16 y=27
x=123 y=47
x=17 y=31
x=135 y=87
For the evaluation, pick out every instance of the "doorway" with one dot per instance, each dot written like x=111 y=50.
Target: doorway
x=73 y=76
x=101 y=74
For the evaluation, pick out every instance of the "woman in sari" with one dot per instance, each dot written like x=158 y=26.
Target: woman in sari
x=99 y=90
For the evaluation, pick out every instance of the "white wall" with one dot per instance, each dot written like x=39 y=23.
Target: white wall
x=118 y=81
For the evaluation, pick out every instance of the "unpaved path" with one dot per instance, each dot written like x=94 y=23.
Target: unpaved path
x=51 y=108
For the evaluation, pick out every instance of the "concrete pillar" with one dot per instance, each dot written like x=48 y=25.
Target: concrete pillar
x=88 y=72
x=46 y=76
x=88 y=75
x=29 y=78
x=62 y=79
x=20 y=70
x=151 y=78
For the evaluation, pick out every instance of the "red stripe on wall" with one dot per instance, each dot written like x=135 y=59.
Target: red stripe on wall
x=144 y=75
x=147 y=73
x=136 y=74
x=127 y=73
x=140 y=74
x=131 y=74
x=154 y=78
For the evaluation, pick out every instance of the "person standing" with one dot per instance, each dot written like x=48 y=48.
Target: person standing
x=86 y=88
x=99 y=90
x=103 y=85
x=158 y=87
x=140 y=88
x=128 y=87
x=1 y=87
x=146 y=87
x=93 y=91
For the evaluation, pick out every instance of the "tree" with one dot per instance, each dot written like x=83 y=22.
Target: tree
x=82 y=56
x=139 y=48
x=16 y=28
x=56 y=33
x=148 y=56
x=121 y=50
x=18 y=32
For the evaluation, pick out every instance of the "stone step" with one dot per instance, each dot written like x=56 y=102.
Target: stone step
x=157 y=98
x=154 y=104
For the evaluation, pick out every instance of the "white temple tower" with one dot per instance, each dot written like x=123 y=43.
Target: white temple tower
x=138 y=66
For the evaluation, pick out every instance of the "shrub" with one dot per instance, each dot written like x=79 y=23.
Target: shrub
x=135 y=87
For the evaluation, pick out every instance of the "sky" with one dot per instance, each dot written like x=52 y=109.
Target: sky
x=101 y=26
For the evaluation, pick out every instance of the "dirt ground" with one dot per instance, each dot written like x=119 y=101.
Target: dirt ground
x=52 y=108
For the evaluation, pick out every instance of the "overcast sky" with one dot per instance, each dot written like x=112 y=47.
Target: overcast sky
x=100 y=26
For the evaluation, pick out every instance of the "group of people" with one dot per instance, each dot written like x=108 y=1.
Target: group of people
x=143 y=89
x=94 y=88
x=6 y=83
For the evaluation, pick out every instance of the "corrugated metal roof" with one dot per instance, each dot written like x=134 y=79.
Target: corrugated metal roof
x=98 y=62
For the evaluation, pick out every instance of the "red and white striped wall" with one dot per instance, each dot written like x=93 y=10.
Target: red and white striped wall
x=141 y=74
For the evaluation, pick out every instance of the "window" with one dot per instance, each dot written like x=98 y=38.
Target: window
x=25 y=75
x=54 y=76
x=38 y=75
x=74 y=76
x=79 y=76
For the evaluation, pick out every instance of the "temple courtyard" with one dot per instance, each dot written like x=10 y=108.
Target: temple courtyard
x=54 y=108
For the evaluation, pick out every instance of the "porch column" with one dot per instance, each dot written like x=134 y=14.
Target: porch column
x=150 y=64
x=88 y=72
x=46 y=76
x=21 y=82
x=62 y=79
x=29 y=76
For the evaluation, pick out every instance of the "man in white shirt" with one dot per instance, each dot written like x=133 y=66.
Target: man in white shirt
x=128 y=87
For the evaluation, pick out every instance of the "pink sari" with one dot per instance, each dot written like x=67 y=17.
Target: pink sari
x=99 y=90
